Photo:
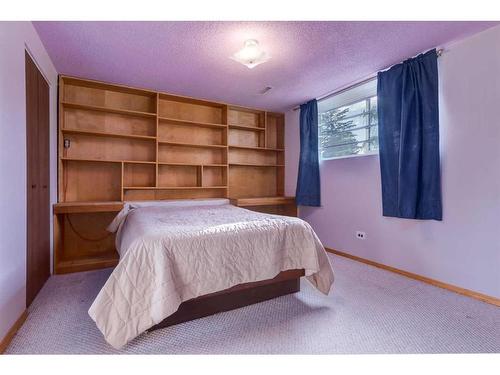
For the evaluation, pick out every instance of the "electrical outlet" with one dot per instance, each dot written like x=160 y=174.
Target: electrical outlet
x=360 y=235
x=67 y=143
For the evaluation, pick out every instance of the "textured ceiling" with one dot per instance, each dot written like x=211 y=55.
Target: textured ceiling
x=192 y=58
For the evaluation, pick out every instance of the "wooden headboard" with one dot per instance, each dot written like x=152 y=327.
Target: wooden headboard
x=118 y=143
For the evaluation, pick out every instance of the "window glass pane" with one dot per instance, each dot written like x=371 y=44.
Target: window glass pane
x=373 y=111
x=349 y=127
x=336 y=122
x=354 y=109
x=358 y=121
x=331 y=139
x=345 y=150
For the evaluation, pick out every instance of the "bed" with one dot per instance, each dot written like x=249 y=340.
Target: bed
x=175 y=256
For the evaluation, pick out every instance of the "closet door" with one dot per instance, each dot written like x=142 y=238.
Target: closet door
x=38 y=200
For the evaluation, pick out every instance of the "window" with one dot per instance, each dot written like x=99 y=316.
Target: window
x=348 y=122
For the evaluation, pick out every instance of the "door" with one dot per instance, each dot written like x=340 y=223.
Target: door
x=38 y=199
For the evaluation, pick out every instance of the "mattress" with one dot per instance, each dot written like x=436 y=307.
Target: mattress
x=171 y=252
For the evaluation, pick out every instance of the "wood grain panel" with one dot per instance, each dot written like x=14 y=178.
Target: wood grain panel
x=252 y=181
x=263 y=201
x=37 y=189
x=245 y=117
x=189 y=134
x=246 y=138
x=285 y=210
x=275 y=131
x=186 y=154
x=42 y=262
x=253 y=156
x=214 y=176
x=189 y=111
x=109 y=98
x=91 y=181
x=85 y=207
x=85 y=236
x=139 y=174
x=108 y=122
x=169 y=175
x=109 y=148
x=139 y=195
x=272 y=205
x=285 y=282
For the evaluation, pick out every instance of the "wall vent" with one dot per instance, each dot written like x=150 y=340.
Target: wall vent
x=265 y=90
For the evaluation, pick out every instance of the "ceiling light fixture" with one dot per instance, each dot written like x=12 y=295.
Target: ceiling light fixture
x=251 y=55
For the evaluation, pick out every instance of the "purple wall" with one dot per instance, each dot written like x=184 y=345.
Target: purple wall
x=463 y=249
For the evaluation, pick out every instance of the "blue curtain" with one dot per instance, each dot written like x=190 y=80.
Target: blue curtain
x=308 y=186
x=408 y=121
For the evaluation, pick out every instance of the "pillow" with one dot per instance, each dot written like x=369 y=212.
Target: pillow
x=129 y=206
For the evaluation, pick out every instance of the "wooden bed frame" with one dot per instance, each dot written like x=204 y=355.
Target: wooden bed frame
x=241 y=295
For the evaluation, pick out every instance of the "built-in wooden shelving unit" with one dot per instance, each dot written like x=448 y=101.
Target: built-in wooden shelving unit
x=118 y=143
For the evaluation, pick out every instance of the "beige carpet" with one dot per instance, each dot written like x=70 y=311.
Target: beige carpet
x=369 y=311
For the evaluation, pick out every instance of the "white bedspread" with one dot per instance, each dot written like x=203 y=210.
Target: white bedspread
x=172 y=252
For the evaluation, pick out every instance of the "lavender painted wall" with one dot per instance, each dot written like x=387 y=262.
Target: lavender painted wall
x=15 y=37
x=463 y=249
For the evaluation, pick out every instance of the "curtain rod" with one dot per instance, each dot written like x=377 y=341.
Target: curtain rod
x=359 y=83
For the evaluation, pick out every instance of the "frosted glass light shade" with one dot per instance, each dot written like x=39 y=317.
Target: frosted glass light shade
x=251 y=55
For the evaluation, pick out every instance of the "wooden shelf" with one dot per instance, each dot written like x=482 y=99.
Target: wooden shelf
x=108 y=110
x=246 y=127
x=86 y=264
x=257 y=148
x=192 y=123
x=238 y=108
x=84 y=207
x=108 y=161
x=191 y=145
x=262 y=201
x=255 y=165
x=105 y=134
x=192 y=165
x=172 y=187
x=275 y=205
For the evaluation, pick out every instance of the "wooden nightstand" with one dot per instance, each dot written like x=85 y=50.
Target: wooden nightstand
x=271 y=205
x=96 y=249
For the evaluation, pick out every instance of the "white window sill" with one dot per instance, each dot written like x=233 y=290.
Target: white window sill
x=350 y=156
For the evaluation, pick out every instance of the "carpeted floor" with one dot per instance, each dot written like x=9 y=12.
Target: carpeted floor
x=369 y=311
